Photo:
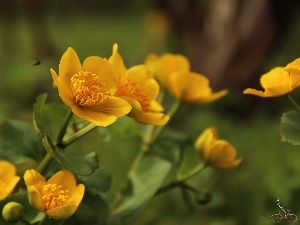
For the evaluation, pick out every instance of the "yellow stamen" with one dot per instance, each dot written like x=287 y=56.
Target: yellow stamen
x=133 y=90
x=53 y=196
x=88 y=90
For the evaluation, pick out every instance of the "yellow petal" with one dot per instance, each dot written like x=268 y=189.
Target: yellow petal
x=223 y=155
x=10 y=186
x=115 y=107
x=77 y=195
x=294 y=67
x=69 y=65
x=35 y=198
x=65 y=179
x=167 y=64
x=65 y=92
x=142 y=76
x=193 y=87
x=204 y=142
x=62 y=212
x=155 y=106
x=95 y=117
x=33 y=178
x=275 y=83
x=103 y=69
x=117 y=61
x=210 y=98
x=7 y=171
x=146 y=117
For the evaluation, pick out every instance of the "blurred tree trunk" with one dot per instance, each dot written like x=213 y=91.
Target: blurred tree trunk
x=227 y=40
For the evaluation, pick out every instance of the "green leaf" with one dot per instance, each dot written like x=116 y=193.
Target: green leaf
x=29 y=213
x=190 y=161
x=92 y=210
x=290 y=128
x=143 y=183
x=83 y=165
x=99 y=182
x=20 y=144
x=48 y=118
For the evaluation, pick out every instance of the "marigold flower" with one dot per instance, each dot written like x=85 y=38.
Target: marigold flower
x=58 y=197
x=138 y=87
x=173 y=72
x=278 y=81
x=89 y=89
x=8 y=178
x=216 y=152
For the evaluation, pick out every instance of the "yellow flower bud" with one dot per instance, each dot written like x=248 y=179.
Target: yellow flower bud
x=12 y=212
x=216 y=152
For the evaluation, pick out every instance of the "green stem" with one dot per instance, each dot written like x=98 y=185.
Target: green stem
x=293 y=103
x=43 y=164
x=24 y=221
x=180 y=181
x=78 y=134
x=63 y=129
x=44 y=220
x=175 y=107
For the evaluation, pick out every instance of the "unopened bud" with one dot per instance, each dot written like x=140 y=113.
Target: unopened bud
x=203 y=197
x=12 y=212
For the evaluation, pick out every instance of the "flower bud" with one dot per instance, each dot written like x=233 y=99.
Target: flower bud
x=12 y=212
x=203 y=197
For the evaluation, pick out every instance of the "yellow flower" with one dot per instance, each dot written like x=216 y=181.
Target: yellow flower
x=279 y=81
x=162 y=67
x=216 y=152
x=138 y=87
x=89 y=89
x=193 y=87
x=8 y=178
x=173 y=72
x=58 y=197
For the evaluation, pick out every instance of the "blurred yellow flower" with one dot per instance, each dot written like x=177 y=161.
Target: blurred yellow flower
x=173 y=72
x=89 y=89
x=216 y=152
x=138 y=87
x=8 y=178
x=58 y=197
x=279 y=81
x=163 y=66
x=193 y=87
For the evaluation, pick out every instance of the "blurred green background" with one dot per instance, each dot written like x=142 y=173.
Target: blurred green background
x=223 y=40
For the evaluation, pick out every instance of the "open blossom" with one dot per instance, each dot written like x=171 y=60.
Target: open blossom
x=216 y=152
x=138 y=87
x=58 y=197
x=8 y=178
x=174 y=74
x=88 y=89
x=278 y=81
x=163 y=66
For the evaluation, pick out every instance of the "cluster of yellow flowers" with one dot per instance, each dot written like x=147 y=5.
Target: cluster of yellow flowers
x=101 y=90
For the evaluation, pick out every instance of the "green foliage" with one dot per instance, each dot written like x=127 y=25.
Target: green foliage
x=290 y=127
x=29 y=213
x=142 y=185
x=47 y=119
x=20 y=144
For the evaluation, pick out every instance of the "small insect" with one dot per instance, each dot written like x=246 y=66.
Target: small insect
x=38 y=62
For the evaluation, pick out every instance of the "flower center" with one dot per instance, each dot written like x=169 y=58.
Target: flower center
x=88 y=90
x=133 y=90
x=53 y=196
